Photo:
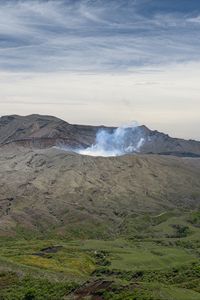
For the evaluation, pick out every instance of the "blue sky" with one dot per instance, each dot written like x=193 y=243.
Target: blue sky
x=130 y=51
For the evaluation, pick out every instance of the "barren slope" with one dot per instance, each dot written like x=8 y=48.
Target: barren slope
x=49 y=190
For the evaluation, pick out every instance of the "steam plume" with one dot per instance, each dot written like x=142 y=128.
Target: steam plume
x=123 y=140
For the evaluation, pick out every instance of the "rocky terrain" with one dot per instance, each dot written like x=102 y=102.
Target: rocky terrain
x=49 y=189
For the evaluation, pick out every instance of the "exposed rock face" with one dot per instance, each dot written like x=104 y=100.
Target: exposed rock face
x=47 y=131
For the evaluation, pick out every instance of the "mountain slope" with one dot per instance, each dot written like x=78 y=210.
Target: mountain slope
x=51 y=190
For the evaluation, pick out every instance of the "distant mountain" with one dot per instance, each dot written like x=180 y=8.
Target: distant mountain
x=40 y=131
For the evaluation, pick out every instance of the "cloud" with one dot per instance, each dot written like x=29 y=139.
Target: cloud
x=195 y=20
x=93 y=36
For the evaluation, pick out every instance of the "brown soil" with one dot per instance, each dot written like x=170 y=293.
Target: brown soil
x=93 y=290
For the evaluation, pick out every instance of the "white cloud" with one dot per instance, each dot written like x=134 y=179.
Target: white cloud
x=194 y=20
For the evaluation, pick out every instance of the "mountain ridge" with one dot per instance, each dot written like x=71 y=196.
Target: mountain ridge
x=43 y=131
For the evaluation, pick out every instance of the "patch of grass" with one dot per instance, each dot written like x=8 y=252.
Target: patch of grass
x=152 y=291
x=68 y=260
x=125 y=255
x=29 y=288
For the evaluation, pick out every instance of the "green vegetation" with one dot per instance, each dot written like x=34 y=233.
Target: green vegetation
x=155 y=257
x=195 y=218
x=15 y=288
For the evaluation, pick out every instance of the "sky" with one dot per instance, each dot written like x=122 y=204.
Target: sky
x=105 y=62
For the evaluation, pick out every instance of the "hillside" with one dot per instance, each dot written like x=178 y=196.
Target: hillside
x=45 y=131
x=49 y=189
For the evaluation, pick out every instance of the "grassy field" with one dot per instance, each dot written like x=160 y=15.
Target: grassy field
x=154 y=257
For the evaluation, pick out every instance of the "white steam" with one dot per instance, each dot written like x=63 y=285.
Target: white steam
x=120 y=141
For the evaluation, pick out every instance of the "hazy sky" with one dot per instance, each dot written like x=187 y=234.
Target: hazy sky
x=103 y=61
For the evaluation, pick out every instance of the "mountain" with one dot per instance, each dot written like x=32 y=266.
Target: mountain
x=46 y=131
x=103 y=228
x=44 y=187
